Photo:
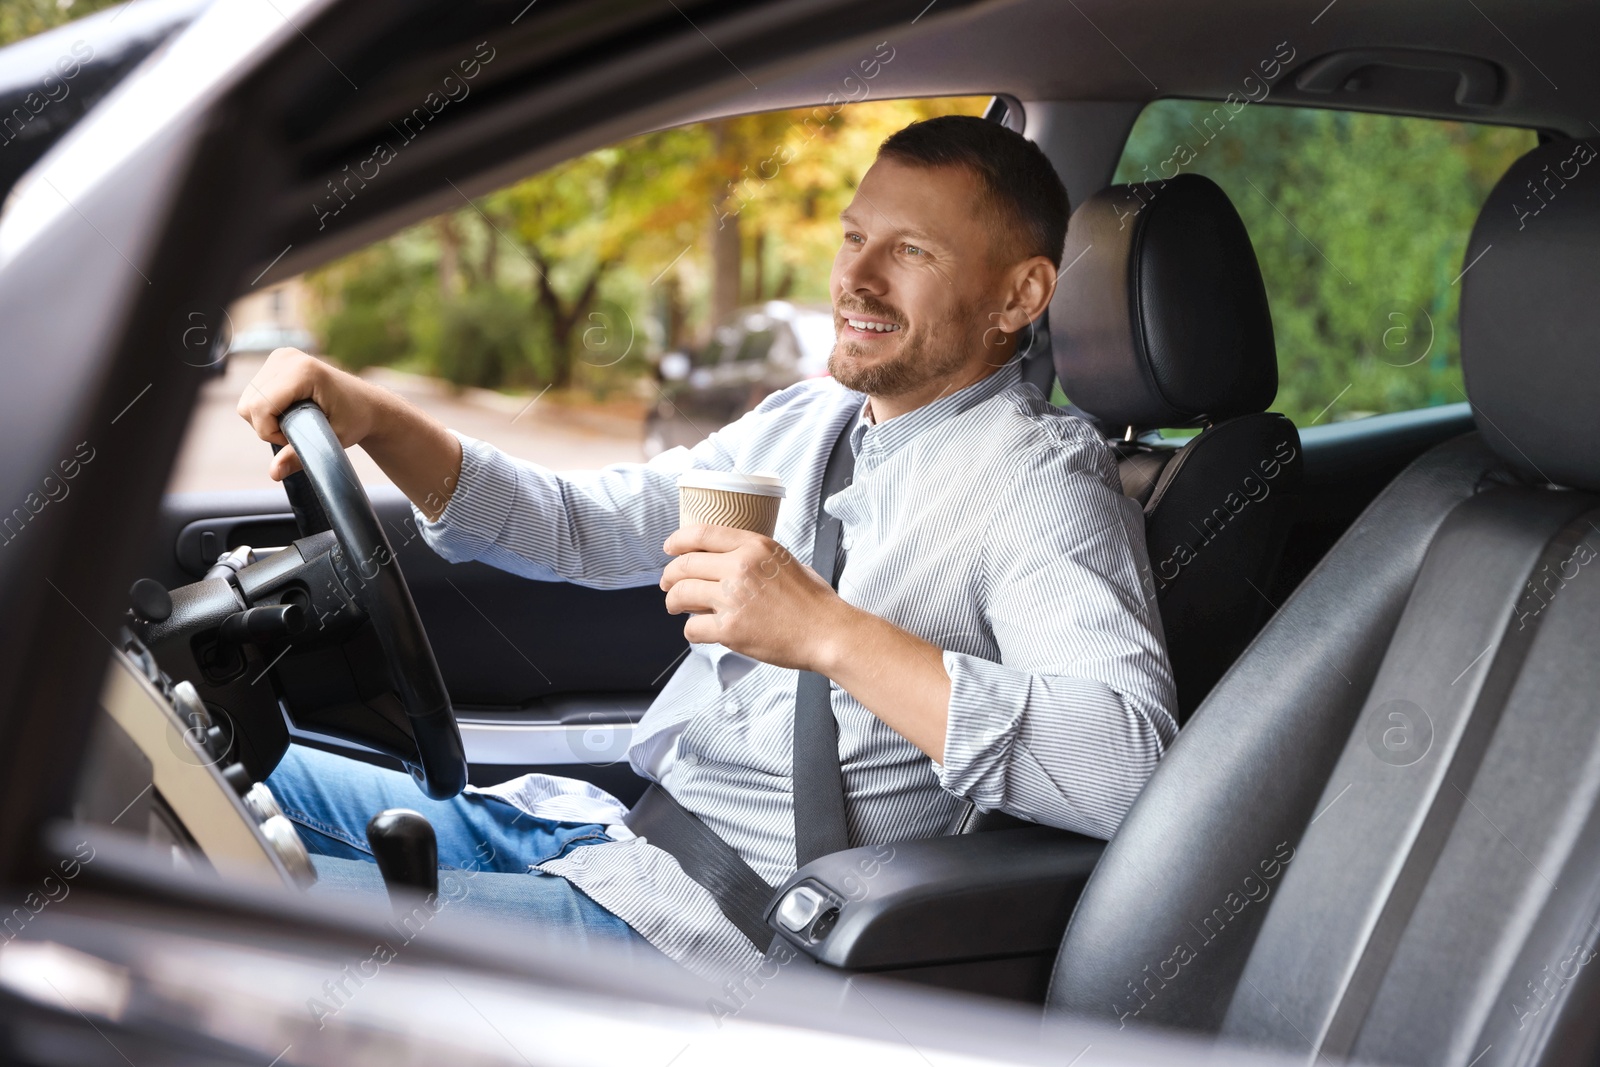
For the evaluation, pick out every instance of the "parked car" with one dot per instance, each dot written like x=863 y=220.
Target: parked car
x=1376 y=839
x=756 y=352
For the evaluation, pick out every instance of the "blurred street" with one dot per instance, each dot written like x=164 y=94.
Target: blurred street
x=222 y=452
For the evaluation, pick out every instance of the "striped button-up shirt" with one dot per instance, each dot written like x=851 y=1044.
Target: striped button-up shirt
x=987 y=522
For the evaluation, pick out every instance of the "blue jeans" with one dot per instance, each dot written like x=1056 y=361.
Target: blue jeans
x=487 y=845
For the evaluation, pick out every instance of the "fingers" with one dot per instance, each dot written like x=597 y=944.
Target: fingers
x=262 y=415
x=694 y=596
x=703 y=630
x=283 y=464
x=703 y=538
x=711 y=566
x=288 y=375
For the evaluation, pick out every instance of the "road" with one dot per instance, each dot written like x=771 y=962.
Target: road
x=220 y=450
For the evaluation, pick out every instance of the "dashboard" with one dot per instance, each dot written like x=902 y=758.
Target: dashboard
x=159 y=767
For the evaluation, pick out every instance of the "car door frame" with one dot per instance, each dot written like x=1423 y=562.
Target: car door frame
x=186 y=187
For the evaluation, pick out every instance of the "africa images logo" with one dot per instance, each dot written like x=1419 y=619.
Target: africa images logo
x=455 y=89
x=1254 y=888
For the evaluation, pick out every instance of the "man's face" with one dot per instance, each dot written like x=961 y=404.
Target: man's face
x=915 y=272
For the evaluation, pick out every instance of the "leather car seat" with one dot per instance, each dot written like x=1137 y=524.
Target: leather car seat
x=1161 y=321
x=1379 y=836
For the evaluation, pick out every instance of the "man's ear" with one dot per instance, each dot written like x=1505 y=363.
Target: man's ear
x=1029 y=285
x=1032 y=283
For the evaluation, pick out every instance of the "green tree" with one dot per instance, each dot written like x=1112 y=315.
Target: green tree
x=576 y=223
x=369 y=298
x=24 y=18
x=576 y=271
x=1360 y=223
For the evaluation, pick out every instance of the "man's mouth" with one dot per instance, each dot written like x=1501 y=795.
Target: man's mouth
x=870 y=326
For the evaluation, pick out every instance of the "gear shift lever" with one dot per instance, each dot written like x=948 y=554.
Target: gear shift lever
x=407 y=852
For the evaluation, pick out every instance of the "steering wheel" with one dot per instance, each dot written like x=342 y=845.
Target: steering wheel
x=369 y=565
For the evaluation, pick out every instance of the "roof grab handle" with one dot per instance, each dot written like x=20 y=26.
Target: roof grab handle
x=1479 y=86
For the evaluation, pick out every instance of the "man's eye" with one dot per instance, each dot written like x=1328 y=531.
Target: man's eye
x=852 y=237
x=913 y=250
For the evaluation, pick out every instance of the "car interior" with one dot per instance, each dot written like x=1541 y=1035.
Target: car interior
x=1377 y=836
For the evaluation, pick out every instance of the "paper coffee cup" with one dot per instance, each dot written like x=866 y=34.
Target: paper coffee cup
x=729 y=498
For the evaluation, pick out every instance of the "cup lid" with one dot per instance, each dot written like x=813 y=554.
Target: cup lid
x=756 y=483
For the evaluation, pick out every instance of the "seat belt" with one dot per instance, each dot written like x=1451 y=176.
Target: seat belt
x=741 y=893
x=819 y=822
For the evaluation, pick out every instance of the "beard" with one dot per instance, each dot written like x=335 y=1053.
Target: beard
x=926 y=354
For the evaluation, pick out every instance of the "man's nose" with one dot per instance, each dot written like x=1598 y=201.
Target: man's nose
x=863 y=273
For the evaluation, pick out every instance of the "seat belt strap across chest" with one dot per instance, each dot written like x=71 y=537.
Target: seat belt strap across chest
x=819 y=815
x=741 y=893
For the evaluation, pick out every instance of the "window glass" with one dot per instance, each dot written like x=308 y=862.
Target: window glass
x=535 y=316
x=1359 y=221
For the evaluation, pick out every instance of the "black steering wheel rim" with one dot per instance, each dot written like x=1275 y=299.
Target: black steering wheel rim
x=440 y=769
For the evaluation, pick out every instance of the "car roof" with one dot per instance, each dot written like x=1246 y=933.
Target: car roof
x=1506 y=63
x=1102 y=50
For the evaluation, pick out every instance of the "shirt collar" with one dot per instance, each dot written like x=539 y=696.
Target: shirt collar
x=886 y=437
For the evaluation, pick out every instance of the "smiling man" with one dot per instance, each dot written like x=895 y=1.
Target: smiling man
x=990 y=642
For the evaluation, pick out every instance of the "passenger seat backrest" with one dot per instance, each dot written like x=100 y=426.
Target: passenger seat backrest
x=1379 y=839
x=1161 y=321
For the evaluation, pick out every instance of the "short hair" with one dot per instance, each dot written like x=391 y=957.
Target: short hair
x=1015 y=175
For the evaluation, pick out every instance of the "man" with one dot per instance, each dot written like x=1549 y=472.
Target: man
x=991 y=641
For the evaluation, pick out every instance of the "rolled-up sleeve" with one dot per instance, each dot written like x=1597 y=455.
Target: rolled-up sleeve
x=600 y=528
x=1066 y=728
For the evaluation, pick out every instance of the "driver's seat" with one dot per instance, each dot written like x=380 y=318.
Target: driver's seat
x=1379 y=836
x=1163 y=322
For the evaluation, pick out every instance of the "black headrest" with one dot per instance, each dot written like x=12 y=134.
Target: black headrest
x=1530 y=315
x=1163 y=321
